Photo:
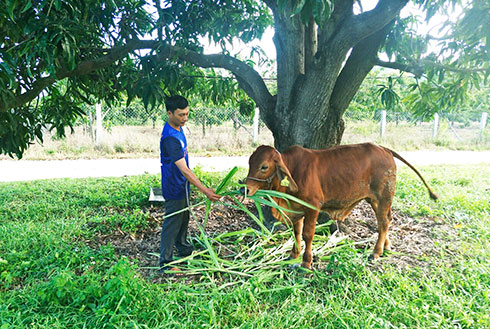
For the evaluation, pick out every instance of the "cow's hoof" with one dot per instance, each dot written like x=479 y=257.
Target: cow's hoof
x=306 y=266
x=373 y=258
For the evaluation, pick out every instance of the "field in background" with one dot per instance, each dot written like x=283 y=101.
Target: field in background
x=143 y=141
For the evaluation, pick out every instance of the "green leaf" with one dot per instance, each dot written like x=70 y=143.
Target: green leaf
x=248 y=212
x=226 y=180
x=265 y=193
x=321 y=10
x=206 y=213
x=27 y=6
x=10 y=8
x=272 y=204
x=441 y=76
x=298 y=8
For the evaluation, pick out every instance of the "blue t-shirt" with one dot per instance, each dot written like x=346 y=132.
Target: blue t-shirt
x=173 y=147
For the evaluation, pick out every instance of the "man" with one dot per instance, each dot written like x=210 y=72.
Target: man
x=176 y=176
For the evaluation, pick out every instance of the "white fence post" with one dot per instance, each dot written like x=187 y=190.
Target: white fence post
x=436 y=126
x=383 y=124
x=483 y=123
x=255 y=132
x=98 y=123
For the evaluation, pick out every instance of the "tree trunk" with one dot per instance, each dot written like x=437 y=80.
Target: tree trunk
x=314 y=126
x=320 y=67
x=317 y=81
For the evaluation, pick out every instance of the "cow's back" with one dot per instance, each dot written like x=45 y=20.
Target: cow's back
x=344 y=172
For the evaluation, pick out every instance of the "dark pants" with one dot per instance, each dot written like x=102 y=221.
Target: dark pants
x=174 y=231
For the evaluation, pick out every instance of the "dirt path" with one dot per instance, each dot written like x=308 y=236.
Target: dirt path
x=23 y=170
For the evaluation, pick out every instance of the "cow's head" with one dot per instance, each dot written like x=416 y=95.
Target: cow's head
x=267 y=171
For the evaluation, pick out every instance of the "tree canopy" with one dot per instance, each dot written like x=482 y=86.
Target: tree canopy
x=56 y=55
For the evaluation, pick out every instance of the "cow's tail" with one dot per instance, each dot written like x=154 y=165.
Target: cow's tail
x=433 y=196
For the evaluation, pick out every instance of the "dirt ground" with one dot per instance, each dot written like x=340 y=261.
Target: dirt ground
x=414 y=241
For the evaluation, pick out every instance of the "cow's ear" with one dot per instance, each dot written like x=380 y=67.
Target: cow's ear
x=284 y=174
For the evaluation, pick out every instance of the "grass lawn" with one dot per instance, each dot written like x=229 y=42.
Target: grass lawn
x=50 y=277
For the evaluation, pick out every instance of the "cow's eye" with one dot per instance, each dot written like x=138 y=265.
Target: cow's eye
x=264 y=168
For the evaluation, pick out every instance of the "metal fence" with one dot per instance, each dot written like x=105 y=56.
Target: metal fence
x=226 y=129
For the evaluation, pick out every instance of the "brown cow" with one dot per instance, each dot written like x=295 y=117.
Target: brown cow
x=334 y=180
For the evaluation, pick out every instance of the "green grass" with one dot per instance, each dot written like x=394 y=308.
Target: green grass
x=50 y=278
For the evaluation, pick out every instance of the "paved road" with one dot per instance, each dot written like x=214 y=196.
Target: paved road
x=23 y=170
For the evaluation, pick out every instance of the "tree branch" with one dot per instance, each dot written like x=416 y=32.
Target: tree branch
x=422 y=65
x=311 y=42
x=414 y=69
x=247 y=77
x=83 y=68
x=360 y=62
x=342 y=11
x=361 y=26
x=255 y=88
x=345 y=30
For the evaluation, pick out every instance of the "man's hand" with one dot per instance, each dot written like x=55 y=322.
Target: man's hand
x=182 y=165
x=211 y=194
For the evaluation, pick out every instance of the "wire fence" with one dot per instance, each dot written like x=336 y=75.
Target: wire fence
x=209 y=130
x=209 y=119
x=134 y=132
x=226 y=130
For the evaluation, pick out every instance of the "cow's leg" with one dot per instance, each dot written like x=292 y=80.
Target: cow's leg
x=387 y=239
x=298 y=225
x=383 y=215
x=308 y=232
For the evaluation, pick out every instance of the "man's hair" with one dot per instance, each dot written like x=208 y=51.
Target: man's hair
x=176 y=102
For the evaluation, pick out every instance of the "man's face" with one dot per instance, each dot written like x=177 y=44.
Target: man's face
x=179 y=117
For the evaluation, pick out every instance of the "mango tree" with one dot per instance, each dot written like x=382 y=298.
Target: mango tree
x=100 y=49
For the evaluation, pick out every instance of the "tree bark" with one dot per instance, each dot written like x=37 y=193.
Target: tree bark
x=317 y=80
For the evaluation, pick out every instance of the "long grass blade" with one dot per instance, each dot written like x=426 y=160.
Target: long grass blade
x=226 y=180
x=208 y=244
x=206 y=213
x=184 y=209
x=285 y=196
x=257 y=220
x=272 y=204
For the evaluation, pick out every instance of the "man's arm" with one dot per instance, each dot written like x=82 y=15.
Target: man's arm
x=192 y=178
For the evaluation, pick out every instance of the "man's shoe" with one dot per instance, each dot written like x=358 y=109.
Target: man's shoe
x=186 y=252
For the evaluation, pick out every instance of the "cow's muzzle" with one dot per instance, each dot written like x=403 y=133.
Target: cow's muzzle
x=243 y=189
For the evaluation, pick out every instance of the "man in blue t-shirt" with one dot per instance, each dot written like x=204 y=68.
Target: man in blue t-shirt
x=176 y=177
